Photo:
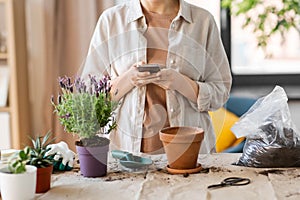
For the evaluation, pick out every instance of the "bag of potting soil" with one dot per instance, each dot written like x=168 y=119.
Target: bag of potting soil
x=272 y=140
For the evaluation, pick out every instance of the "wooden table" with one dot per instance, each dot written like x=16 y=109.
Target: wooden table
x=156 y=183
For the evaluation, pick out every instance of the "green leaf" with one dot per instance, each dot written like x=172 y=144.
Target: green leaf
x=37 y=143
x=27 y=150
x=22 y=155
x=226 y=3
x=14 y=164
x=45 y=141
x=33 y=142
x=20 y=169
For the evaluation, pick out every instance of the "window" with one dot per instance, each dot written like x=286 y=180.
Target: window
x=250 y=66
x=282 y=55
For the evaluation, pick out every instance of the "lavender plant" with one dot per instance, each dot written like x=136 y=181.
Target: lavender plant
x=84 y=108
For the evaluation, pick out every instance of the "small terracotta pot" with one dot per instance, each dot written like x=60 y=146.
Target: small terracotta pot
x=182 y=145
x=43 y=179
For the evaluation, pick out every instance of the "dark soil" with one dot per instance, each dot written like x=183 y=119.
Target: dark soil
x=271 y=171
x=93 y=142
x=219 y=169
x=279 y=147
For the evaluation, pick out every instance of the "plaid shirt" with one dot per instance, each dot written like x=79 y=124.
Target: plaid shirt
x=195 y=50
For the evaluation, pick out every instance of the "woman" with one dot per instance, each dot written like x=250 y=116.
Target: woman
x=194 y=75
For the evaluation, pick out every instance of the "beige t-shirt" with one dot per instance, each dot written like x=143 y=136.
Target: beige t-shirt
x=156 y=116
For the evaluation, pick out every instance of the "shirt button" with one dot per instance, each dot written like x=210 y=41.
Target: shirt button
x=172 y=110
x=172 y=61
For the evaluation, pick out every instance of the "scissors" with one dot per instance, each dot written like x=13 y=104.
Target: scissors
x=231 y=181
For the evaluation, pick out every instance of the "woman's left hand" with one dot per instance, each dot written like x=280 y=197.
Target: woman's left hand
x=168 y=79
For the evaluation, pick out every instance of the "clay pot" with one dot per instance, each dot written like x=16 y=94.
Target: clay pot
x=182 y=145
x=43 y=179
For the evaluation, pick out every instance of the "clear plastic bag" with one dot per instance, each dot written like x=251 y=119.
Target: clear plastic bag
x=272 y=140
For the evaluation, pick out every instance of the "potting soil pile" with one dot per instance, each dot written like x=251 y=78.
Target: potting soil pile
x=272 y=139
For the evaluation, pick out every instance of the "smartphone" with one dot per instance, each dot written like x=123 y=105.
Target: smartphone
x=152 y=68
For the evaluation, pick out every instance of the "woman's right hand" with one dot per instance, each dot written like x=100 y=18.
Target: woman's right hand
x=130 y=79
x=139 y=79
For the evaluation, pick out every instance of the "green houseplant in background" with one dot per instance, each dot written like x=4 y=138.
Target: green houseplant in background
x=42 y=161
x=266 y=18
x=85 y=109
x=18 y=180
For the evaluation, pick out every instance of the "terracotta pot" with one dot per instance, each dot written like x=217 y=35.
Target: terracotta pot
x=182 y=145
x=43 y=179
x=93 y=160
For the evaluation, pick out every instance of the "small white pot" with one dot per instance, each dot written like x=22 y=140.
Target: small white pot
x=18 y=186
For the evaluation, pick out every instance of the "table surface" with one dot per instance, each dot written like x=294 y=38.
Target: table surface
x=157 y=183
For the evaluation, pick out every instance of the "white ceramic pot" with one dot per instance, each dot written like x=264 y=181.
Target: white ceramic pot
x=2 y=166
x=18 y=186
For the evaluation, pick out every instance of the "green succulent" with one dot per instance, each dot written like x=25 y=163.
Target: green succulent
x=18 y=161
x=38 y=151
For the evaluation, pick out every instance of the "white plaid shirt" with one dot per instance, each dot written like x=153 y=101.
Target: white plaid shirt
x=195 y=50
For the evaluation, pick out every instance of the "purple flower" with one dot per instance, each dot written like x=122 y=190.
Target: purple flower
x=67 y=116
x=59 y=99
x=52 y=99
x=80 y=85
x=95 y=88
x=61 y=82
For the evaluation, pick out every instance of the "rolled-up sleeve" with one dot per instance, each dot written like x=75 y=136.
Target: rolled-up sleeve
x=215 y=87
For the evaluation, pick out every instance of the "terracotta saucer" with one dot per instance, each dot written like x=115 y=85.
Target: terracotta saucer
x=185 y=171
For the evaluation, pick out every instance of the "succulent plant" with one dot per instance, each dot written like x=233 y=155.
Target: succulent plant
x=38 y=151
x=17 y=162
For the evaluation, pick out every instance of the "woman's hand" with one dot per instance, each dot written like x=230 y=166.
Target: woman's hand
x=139 y=79
x=130 y=79
x=170 y=79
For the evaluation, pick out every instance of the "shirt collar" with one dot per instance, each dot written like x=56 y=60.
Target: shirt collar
x=185 y=11
x=135 y=11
